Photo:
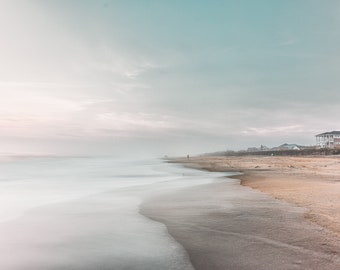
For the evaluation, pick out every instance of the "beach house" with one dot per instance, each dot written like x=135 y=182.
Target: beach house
x=328 y=139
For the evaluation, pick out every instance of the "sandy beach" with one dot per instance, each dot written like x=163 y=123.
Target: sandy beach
x=312 y=182
x=285 y=218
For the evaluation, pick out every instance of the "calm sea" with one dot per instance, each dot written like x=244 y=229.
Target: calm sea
x=83 y=213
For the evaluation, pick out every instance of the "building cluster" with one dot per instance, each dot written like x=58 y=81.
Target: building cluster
x=285 y=146
x=329 y=140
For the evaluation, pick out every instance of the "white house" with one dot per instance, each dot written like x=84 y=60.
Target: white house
x=328 y=140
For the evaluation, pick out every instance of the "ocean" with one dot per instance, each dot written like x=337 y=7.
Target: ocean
x=83 y=213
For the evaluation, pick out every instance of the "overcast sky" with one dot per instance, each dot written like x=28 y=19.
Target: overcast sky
x=166 y=77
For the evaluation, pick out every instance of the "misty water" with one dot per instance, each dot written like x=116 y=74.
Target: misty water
x=83 y=213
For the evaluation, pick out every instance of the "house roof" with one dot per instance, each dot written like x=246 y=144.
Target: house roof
x=289 y=146
x=329 y=133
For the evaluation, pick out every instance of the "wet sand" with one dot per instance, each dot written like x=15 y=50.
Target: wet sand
x=312 y=182
x=224 y=225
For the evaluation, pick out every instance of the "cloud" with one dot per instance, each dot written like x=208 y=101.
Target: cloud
x=72 y=70
x=273 y=131
x=40 y=84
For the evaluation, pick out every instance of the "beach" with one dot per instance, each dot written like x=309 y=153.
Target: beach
x=279 y=213
x=108 y=213
x=312 y=182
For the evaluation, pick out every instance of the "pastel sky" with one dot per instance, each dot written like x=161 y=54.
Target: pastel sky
x=166 y=77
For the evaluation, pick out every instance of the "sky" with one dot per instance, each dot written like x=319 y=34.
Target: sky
x=166 y=77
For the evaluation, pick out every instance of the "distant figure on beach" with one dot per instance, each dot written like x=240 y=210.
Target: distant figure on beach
x=188 y=156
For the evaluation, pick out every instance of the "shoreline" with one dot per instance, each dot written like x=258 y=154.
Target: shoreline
x=218 y=223
x=311 y=182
